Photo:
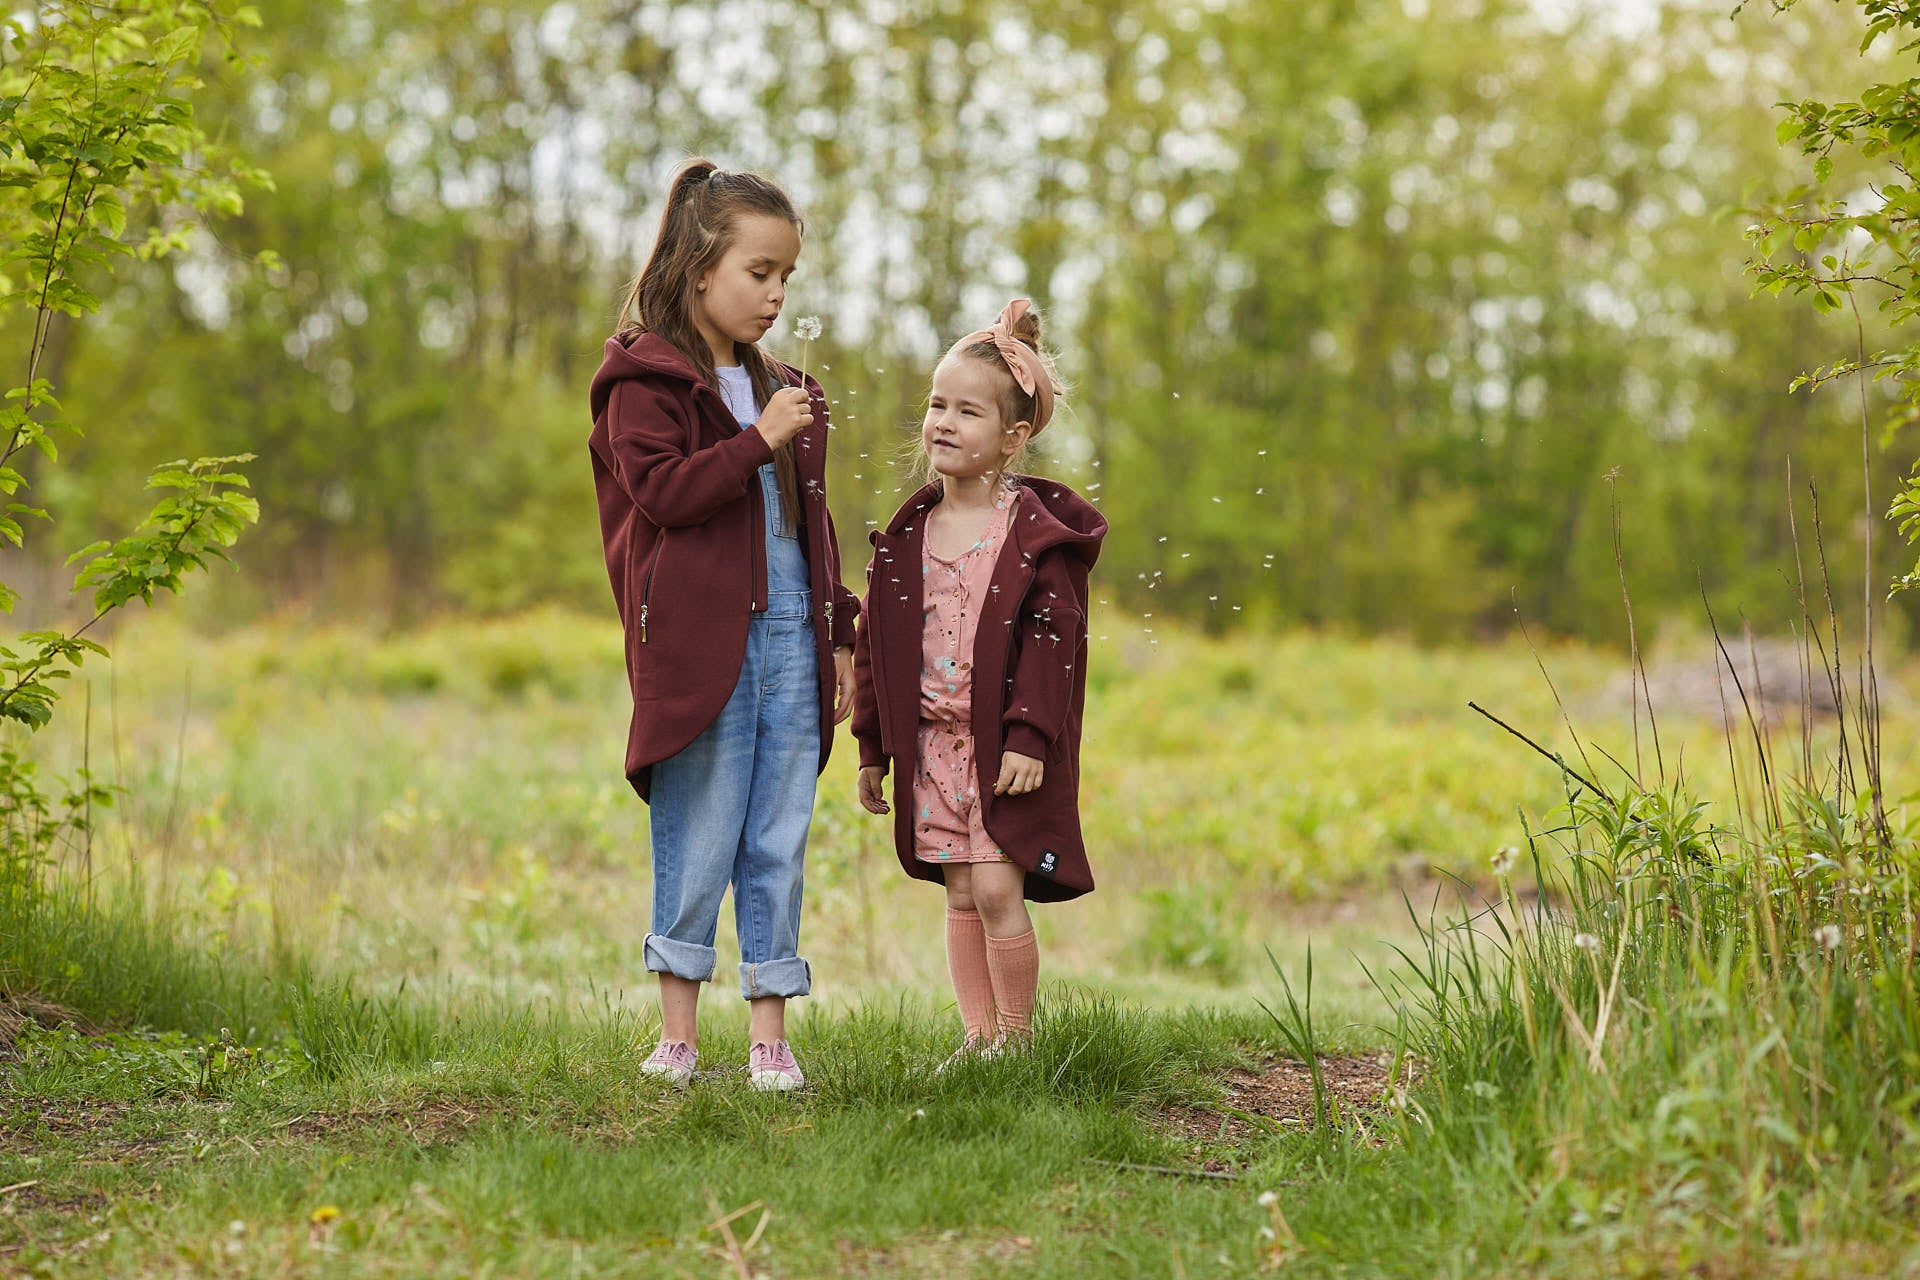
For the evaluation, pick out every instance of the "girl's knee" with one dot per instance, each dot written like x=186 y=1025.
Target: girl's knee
x=1000 y=901
x=959 y=889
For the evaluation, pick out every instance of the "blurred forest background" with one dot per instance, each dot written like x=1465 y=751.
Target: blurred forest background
x=1362 y=302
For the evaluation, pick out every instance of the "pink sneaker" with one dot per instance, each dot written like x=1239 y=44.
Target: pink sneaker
x=771 y=1067
x=671 y=1060
x=971 y=1047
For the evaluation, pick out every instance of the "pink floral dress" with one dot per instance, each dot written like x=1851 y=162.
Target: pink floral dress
x=946 y=803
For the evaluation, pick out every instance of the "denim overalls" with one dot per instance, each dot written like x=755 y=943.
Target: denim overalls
x=733 y=807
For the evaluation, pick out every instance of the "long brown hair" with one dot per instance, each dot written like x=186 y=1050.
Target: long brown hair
x=704 y=206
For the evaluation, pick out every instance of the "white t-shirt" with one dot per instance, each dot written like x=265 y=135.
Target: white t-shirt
x=736 y=388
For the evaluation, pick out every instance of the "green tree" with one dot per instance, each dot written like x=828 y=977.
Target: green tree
x=100 y=159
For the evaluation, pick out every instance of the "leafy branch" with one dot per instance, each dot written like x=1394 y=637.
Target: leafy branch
x=1835 y=236
x=204 y=516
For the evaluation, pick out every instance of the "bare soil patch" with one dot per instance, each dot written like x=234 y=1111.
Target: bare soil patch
x=1279 y=1093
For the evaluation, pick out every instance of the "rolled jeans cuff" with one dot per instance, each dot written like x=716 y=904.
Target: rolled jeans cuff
x=788 y=976
x=687 y=960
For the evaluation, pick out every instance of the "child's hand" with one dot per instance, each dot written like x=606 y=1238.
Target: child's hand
x=1018 y=774
x=787 y=414
x=843 y=683
x=872 y=779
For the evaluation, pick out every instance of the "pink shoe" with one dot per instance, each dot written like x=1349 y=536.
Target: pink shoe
x=770 y=1067
x=671 y=1060
x=971 y=1047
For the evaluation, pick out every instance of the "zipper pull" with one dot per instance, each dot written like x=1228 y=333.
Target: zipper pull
x=829 y=620
x=643 y=624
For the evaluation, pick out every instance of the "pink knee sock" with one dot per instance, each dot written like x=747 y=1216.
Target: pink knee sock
x=967 y=963
x=1014 y=964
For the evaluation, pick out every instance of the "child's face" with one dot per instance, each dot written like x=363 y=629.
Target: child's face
x=963 y=434
x=740 y=298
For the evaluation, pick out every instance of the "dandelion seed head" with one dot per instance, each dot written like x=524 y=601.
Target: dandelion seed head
x=807 y=328
x=1503 y=859
x=1828 y=936
x=1586 y=942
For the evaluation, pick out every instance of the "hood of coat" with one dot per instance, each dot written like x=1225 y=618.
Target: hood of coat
x=648 y=355
x=1050 y=515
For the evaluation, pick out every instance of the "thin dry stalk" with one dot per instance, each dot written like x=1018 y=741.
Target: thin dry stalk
x=1557 y=701
x=1597 y=1044
x=1637 y=667
x=723 y=1224
x=1772 y=761
x=1726 y=729
x=179 y=767
x=1802 y=636
x=1759 y=747
x=1565 y=768
x=1836 y=677
x=1869 y=678
x=86 y=779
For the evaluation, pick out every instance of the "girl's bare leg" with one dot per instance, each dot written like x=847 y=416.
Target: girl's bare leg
x=679 y=1003
x=767 y=1019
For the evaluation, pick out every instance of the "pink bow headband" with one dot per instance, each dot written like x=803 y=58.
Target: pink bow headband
x=1022 y=361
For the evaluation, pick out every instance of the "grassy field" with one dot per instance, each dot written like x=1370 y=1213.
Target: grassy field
x=405 y=876
x=446 y=806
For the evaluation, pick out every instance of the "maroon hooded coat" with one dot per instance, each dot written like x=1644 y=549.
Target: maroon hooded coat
x=1029 y=678
x=683 y=521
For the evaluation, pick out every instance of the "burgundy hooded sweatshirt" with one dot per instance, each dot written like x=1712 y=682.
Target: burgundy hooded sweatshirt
x=1029 y=678
x=683 y=522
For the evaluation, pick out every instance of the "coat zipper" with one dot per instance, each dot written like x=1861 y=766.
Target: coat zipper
x=646 y=588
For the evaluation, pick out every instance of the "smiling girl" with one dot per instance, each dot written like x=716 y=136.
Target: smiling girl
x=970 y=672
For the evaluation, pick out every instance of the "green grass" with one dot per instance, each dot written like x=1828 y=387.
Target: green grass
x=398 y=871
x=445 y=806
x=531 y=1145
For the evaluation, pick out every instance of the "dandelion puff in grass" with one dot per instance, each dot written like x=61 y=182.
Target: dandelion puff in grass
x=1504 y=858
x=1586 y=942
x=806 y=328
x=1828 y=936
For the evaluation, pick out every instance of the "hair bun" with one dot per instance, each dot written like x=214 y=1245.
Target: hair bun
x=1027 y=328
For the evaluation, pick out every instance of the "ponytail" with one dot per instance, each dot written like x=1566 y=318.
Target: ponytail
x=704 y=203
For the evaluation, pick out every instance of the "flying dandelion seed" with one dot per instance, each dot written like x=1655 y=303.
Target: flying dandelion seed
x=1828 y=936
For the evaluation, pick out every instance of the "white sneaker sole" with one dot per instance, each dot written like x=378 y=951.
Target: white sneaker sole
x=774 y=1081
x=677 y=1076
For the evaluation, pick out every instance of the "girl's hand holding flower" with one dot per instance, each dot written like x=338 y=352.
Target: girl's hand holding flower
x=787 y=414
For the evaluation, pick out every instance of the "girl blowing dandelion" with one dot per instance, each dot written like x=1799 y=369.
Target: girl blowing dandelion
x=709 y=461
x=970 y=670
